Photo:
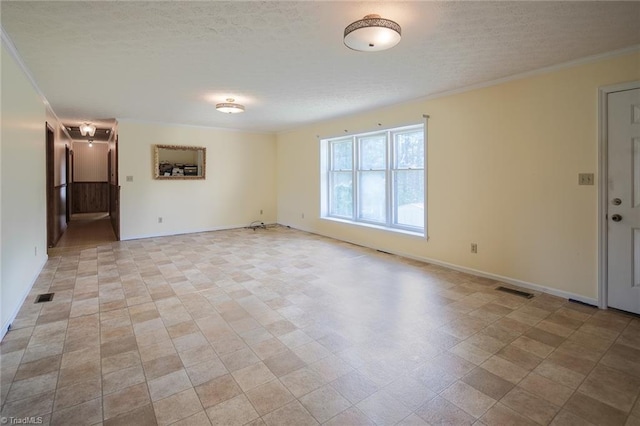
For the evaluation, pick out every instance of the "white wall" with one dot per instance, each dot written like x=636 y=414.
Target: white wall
x=240 y=181
x=503 y=164
x=22 y=197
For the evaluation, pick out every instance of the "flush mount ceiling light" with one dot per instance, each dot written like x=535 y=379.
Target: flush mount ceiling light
x=371 y=34
x=87 y=129
x=230 y=107
x=90 y=143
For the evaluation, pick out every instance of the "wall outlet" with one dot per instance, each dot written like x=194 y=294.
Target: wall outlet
x=260 y=211
x=35 y=250
x=160 y=219
x=585 y=178
x=474 y=248
x=302 y=215
x=129 y=178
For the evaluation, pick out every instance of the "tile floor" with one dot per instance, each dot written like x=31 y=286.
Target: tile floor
x=281 y=327
x=85 y=229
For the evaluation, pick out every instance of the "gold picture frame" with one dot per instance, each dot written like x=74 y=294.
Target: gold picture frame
x=179 y=162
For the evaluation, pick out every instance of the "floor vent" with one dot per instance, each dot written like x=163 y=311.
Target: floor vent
x=44 y=297
x=516 y=292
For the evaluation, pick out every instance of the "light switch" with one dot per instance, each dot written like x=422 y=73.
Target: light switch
x=129 y=178
x=585 y=179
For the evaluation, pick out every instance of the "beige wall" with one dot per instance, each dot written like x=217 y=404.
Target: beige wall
x=90 y=163
x=22 y=198
x=240 y=181
x=503 y=164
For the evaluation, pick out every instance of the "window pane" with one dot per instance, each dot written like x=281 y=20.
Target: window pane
x=409 y=150
x=409 y=194
x=342 y=155
x=341 y=203
x=373 y=152
x=372 y=193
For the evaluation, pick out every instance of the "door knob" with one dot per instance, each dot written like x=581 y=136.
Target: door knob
x=616 y=201
x=616 y=218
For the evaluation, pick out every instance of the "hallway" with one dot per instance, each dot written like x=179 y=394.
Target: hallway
x=83 y=231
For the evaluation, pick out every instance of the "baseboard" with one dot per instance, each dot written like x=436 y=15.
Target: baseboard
x=513 y=281
x=5 y=326
x=196 y=231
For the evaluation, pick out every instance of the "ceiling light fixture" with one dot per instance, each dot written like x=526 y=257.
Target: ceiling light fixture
x=90 y=143
x=230 y=107
x=87 y=129
x=371 y=34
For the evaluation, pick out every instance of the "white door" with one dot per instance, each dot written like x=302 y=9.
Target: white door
x=623 y=212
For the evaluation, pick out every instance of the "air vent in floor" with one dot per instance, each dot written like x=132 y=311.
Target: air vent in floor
x=44 y=297
x=516 y=292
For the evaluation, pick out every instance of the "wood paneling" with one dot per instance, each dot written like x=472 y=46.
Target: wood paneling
x=90 y=163
x=90 y=197
x=114 y=209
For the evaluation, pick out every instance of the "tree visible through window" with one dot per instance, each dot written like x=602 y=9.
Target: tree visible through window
x=378 y=178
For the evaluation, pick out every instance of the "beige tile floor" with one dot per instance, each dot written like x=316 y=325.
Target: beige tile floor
x=85 y=229
x=281 y=327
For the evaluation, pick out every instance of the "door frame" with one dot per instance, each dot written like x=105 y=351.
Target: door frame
x=603 y=194
x=50 y=136
x=67 y=159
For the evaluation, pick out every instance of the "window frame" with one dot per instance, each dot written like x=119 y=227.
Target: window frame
x=390 y=173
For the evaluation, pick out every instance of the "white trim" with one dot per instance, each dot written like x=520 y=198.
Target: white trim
x=426 y=169
x=401 y=231
x=327 y=172
x=533 y=73
x=513 y=281
x=603 y=177
x=196 y=231
x=16 y=56
x=197 y=126
x=5 y=326
x=501 y=278
x=545 y=70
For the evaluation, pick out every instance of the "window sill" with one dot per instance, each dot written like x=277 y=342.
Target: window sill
x=378 y=227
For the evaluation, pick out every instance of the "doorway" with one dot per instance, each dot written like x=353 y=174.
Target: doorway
x=51 y=210
x=620 y=197
x=85 y=208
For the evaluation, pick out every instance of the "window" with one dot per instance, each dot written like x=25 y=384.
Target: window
x=377 y=178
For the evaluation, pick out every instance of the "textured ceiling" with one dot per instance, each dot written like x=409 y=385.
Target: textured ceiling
x=285 y=61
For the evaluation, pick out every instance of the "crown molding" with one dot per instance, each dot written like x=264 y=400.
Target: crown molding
x=539 y=71
x=196 y=126
x=13 y=51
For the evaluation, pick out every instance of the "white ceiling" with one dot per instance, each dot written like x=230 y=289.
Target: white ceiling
x=285 y=61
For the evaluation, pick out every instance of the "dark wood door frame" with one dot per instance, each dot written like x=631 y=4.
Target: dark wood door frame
x=67 y=156
x=50 y=186
x=109 y=183
x=114 y=189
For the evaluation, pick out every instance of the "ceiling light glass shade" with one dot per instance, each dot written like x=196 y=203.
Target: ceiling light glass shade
x=87 y=129
x=230 y=107
x=371 y=34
